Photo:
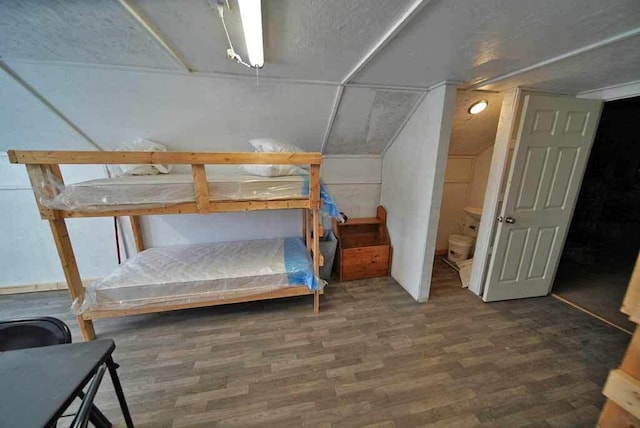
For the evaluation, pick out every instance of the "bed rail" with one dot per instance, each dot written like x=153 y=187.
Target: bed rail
x=42 y=166
x=40 y=157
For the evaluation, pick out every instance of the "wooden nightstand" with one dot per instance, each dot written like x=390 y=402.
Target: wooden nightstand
x=364 y=250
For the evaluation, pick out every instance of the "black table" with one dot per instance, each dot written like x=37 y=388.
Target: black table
x=38 y=384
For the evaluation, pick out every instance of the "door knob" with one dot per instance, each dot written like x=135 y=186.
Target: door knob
x=509 y=220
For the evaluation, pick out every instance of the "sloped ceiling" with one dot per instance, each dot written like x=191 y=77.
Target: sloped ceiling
x=18 y=116
x=603 y=67
x=92 y=32
x=181 y=111
x=474 y=40
x=367 y=119
x=471 y=134
x=340 y=75
x=311 y=40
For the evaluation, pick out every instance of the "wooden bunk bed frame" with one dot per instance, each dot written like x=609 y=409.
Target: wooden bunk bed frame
x=43 y=164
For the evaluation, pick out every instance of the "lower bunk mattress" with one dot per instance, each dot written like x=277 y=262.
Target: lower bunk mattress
x=198 y=272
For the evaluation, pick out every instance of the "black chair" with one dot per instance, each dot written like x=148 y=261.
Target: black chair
x=48 y=331
x=33 y=333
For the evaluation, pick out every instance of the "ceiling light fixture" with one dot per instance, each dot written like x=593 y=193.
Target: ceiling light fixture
x=478 y=107
x=251 y=16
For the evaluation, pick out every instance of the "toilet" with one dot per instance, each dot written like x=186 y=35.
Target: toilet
x=461 y=246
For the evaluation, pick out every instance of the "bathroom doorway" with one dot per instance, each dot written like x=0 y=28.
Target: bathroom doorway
x=604 y=235
x=473 y=135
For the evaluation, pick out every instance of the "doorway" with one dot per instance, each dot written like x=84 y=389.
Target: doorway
x=604 y=236
x=468 y=165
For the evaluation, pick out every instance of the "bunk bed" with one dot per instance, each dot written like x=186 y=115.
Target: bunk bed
x=185 y=276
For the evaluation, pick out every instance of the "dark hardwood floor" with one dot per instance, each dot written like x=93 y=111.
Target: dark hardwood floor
x=373 y=357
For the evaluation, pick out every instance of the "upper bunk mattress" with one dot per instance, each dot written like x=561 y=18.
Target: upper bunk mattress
x=189 y=273
x=171 y=189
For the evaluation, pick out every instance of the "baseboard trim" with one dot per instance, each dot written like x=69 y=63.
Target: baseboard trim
x=37 y=287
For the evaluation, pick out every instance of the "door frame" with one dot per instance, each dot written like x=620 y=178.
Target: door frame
x=507 y=128
x=499 y=169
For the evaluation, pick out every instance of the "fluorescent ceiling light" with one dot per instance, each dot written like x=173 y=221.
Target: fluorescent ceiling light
x=478 y=107
x=251 y=16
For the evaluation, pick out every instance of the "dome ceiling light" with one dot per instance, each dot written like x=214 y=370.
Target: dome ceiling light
x=478 y=107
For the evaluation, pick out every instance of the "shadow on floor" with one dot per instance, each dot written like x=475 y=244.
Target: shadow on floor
x=597 y=287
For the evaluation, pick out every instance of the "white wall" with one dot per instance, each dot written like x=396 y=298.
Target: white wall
x=353 y=181
x=413 y=170
x=27 y=252
x=188 y=113
x=464 y=186
x=457 y=184
x=481 y=167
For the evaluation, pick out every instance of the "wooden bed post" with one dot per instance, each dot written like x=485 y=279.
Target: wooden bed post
x=71 y=273
x=314 y=194
x=62 y=241
x=307 y=230
x=136 y=228
x=201 y=187
x=316 y=257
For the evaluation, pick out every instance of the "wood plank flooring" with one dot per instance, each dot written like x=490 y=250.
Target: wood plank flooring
x=373 y=357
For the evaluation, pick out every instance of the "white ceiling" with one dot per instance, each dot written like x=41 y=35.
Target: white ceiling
x=92 y=32
x=18 y=116
x=473 y=40
x=603 y=67
x=367 y=119
x=311 y=40
x=311 y=46
x=184 y=112
x=471 y=134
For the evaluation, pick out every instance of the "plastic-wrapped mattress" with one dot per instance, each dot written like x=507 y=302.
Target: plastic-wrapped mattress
x=189 y=273
x=170 y=189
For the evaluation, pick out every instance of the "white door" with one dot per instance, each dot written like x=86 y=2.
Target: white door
x=550 y=155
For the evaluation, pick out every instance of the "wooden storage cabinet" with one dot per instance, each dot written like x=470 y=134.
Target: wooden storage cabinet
x=364 y=250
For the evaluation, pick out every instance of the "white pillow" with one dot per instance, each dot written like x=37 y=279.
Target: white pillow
x=269 y=145
x=140 y=145
x=272 y=170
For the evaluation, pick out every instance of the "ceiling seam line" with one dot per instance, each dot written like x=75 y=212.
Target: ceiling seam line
x=332 y=117
x=155 y=34
x=25 y=85
x=567 y=55
x=215 y=75
x=386 y=38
